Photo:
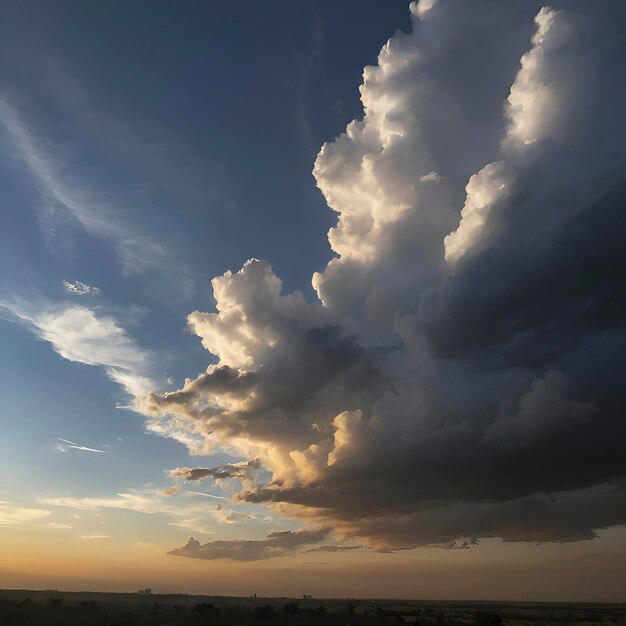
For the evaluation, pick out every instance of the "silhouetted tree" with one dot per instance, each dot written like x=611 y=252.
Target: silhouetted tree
x=206 y=608
x=263 y=613
x=292 y=608
x=88 y=604
x=487 y=619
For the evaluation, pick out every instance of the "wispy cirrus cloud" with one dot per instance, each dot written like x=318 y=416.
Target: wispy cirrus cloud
x=11 y=515
x=147 y=151
x=66 y=445
x=142 y=255
x=82 y=335
x=182 y=508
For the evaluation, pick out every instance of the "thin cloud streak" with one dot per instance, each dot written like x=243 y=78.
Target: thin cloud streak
x=206 y=495
x=141 y=255
x=76 y=446
x=181 y=509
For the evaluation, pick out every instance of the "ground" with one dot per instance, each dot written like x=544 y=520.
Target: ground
x=49 y=608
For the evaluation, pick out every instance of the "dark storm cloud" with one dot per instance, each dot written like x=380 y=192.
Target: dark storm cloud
x=319 y=370
x=461 y=376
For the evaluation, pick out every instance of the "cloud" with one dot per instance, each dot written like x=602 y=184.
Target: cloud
x=206 y=495
x=59 y=526
x=83 y=335
x=192 y=523
x=276 y=544
x=142 y=501
x=458 y=376
x=233 y=517
x=141 y=255
x=333 y=548
x=541 y=106
x=65 y=445
x=11 y=515
x=181 y=508
x=94 y=536
x=245 y=470
x=542 y=411
x=430 y=177
x=145 y=150
x=80 y=289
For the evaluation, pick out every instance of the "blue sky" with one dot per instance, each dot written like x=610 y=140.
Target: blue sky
x=283 y=281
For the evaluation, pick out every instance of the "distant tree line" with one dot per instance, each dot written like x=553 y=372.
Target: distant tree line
x=174 y=611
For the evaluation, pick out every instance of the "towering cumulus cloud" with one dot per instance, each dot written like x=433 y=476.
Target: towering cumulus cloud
x=460 y=375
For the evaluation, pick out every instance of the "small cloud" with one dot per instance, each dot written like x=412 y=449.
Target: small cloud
x=94 y=536
x=57 y=525
x=431 y=177
x=245 y=471
x=172 y=491
x=232 y=517
x=81 y=289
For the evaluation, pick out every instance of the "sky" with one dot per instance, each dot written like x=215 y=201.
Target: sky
x=313 y=298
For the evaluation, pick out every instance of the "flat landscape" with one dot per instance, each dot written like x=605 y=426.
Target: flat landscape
x=50 y=607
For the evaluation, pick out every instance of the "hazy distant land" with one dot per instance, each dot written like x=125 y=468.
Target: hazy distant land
x=51 y=607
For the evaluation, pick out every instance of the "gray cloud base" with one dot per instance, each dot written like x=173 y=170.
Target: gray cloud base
x=277 y=543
